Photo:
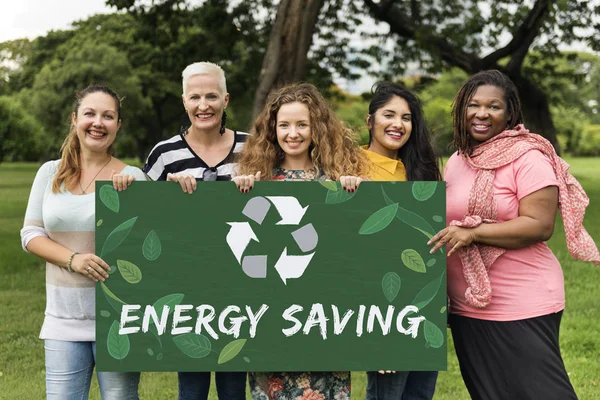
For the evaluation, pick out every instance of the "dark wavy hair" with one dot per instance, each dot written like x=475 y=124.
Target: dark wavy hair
x=493 y=77
x=417 y=154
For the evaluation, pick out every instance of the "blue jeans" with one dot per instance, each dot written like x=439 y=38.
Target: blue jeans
x=195 y=385
x=69 y=367
x=414 y=385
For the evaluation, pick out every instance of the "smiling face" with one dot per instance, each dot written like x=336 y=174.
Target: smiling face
x=293 y=131
x=204 y=101
x=390 y=126
x=486 y=114
x=97 y=121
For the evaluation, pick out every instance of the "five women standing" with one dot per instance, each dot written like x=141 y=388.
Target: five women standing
x=504 y=186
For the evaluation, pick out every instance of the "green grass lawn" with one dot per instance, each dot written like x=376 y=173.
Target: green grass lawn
x=22 y=299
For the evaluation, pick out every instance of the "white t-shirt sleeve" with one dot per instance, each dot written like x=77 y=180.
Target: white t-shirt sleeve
x=136 y=172
x=33 y=226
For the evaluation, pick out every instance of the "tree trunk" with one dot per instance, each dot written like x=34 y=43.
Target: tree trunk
x=536 y=111
x=289 y=41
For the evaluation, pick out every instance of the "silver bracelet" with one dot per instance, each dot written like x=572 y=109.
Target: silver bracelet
x=70 y=261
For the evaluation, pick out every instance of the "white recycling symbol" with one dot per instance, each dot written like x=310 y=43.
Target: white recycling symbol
x=288 y=266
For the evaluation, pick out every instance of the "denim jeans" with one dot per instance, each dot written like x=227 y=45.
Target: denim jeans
x=195 y=385
x=69 y=367
x=414 y=385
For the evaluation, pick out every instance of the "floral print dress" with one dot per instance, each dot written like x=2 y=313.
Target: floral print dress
x=299 y=385
x=281 y=174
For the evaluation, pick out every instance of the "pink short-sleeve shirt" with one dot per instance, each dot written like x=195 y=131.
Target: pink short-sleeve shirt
x=527 y=282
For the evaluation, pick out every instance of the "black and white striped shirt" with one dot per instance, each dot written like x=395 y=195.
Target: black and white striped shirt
x=175 y=155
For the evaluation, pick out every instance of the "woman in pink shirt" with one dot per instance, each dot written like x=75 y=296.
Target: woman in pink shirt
x=506 y=288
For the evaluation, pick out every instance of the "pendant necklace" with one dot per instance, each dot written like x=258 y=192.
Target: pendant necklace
x=93 y=179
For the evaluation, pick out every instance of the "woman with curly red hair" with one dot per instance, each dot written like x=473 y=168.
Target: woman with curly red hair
x=297 y=136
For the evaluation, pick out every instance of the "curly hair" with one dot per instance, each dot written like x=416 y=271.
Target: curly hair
x=334 y=150
x=492 y=77
x=69 y=168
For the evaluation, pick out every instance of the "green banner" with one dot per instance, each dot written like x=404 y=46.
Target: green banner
x=293 y=276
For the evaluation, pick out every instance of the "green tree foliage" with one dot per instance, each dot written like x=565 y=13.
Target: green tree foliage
x=588 y=90
x=13 y=54
x=52 y=96
x=574 y=94
x=474 y=36
x=353 y=111
x=233 y=34
x=570 y=123
x=141 y=54
x=437 y=99
x=590 y=141
x=170 y=34
x=21 y=136
x=43 y=50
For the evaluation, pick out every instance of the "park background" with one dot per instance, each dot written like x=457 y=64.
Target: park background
x=549 y=49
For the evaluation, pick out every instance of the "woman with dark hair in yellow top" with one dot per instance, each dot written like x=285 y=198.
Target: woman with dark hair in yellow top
x=399 y=150
x=399 y=144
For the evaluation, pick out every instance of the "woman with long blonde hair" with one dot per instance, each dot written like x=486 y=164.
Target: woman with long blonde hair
x=297 y=136
x=59 y=227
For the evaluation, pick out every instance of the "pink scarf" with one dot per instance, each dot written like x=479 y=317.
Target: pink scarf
x=494 y=153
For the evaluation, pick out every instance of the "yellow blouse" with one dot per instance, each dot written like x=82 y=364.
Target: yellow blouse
x=383 y=168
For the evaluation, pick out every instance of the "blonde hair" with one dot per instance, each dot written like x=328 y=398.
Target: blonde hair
x=204 y=68
x=333 y=151
x=69 y=167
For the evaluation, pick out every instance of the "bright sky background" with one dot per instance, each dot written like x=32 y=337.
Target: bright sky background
x=32 y=18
